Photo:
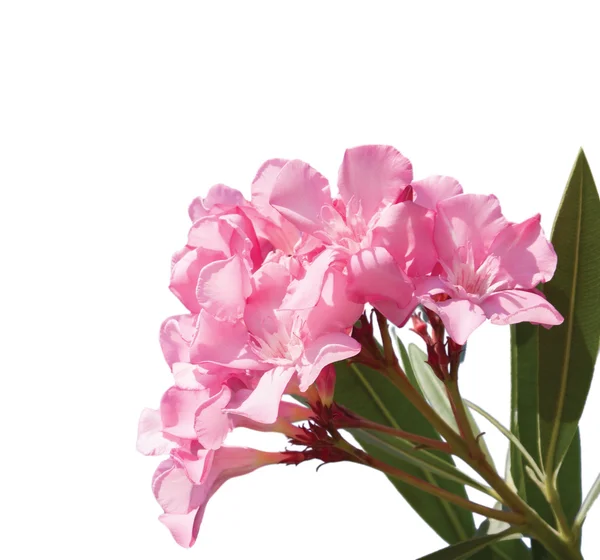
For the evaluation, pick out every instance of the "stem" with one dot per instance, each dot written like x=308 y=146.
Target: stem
x=557 y=509
x=422 y=441
x=506 y=516
x=475 y=458
x=563 y=545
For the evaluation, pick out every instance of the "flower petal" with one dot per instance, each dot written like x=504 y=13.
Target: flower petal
x=172 y=488
x=374 y=276
x=325 y=350
x=176 y=334
x=431 y=190
x=184 y=527
x=467 y=222
x=375 y=175
x=178 y=411
x=212 y=423
x=223 y=287
x=460 y=316
x=406 y=231
x=393 y=312
x=208 y=347
x=263 y=402
x=299 y=193
x=525 y=254
x=516 y=306
x=150 y=440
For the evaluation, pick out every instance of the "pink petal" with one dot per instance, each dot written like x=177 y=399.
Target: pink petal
x=406 y=231
x=208 y=346
x=467 y=222
x=395 y=313
x=516 y=306
x=213 y=424
x=150 y=440
x=431 y=190
x=262 y=404
x=178 y=411
x=374 y=276
x=460 y=316
x=525 y=254
x=299 y=193
x=374 y=175
x=197 y=465
x=176 y=334
x=325 y=350
x=222 y=195
x=185 y=272
x=262 y=187
x=185 y=375
x=172 y=488
x=211 y=234
x=334 y=311
x=183 y=527
x=223 y=287
x=304 y=293
x=269 y=287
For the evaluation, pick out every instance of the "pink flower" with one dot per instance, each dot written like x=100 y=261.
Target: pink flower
x=382 y=242
x=287 y=344
x=490 y=267
x=184 y=500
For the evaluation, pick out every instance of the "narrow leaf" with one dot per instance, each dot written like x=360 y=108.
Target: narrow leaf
x=371 y=395
x=407 y=452
x=466 y=549
x=568 y=352
x=408 y=369
x=510 y=548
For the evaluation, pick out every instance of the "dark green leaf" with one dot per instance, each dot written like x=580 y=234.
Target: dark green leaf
x=524 y=415
x=508 y=549
x=465 y=549
x=369 y=394
x=569 y=480
x=568 y=352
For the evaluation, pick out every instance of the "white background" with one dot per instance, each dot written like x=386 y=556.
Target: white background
x=115 y=114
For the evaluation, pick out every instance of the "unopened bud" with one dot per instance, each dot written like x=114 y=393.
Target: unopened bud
x=326 y=385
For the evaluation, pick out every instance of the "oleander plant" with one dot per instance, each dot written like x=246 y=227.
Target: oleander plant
x=294 y=298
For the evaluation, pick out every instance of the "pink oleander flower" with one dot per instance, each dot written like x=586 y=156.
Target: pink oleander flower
x=489 y=268
x=229 y=370
x=184 y=500
x=373 y=228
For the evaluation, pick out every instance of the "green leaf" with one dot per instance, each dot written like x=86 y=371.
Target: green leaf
x=570 y=350
x=510 y=548
x=409 y=453
x=569 y=480
x=435 y=392
x=408 y=369
x=466 y=549
x=371 y=395
x=524 y=413
x=545 y=415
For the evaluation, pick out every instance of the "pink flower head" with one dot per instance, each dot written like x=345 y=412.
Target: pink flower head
x=289 y=344
x=184 y=500
x=383 y=242
x=490 y=267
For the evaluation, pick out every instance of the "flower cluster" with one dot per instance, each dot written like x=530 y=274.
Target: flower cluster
x=274 y=286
